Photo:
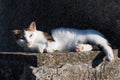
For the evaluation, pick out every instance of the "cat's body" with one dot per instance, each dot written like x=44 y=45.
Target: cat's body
x=68 y=38
x=64 y=39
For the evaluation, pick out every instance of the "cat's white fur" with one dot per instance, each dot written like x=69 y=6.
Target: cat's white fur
x=66 y=39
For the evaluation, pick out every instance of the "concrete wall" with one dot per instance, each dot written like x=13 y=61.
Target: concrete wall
x=59 y=66
x=102 y=15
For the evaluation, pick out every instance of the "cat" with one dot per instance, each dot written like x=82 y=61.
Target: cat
x=62 y=39
x=19 y=34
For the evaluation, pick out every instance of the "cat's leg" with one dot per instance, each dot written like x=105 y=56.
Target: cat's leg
x=52 y=47
x=80 y=47
x=50 y=50
x=99 y=40
x=41 y=47
x=37 y=47
x=40 y=50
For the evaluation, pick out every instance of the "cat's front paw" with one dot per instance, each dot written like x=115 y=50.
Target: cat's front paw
x=41 y=50
x=49 y=50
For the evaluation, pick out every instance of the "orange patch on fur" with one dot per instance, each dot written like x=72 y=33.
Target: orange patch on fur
x=48 y=37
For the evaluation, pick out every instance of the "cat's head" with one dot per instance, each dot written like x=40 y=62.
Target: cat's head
x=30 y=34
x=26 y=36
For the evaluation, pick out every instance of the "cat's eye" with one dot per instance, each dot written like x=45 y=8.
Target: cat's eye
x=30 y=35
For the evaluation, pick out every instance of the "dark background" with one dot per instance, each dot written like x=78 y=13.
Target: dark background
x=102 y=15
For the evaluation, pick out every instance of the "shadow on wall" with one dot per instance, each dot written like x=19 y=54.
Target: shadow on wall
x=83 y=14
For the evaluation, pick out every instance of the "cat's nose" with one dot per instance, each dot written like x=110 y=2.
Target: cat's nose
x=28 y=43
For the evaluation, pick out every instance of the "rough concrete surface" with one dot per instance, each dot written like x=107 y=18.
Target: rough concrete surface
x=77 y=66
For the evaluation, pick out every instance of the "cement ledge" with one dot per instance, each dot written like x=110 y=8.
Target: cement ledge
x=38 y=59
x=59 y=66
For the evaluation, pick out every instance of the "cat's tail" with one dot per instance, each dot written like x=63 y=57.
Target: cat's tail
x=101 y=41
x=109 y=52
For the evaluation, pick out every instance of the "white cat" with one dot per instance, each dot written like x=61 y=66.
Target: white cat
x=62 y=39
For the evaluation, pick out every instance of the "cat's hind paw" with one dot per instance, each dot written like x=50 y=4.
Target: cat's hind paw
x=83 y=47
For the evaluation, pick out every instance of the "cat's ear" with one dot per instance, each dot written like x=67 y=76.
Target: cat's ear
x=32 y=26
x=16 y=31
